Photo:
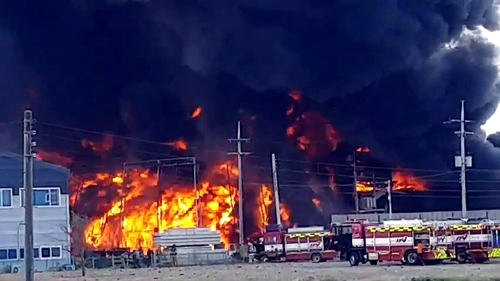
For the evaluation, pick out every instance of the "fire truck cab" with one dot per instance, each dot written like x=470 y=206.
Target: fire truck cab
x=349 y=239
x=295 y=244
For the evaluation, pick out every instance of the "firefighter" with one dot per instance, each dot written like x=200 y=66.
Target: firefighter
x=137 y=258
x=148 y=260
x=420 y=252
x=173 y=255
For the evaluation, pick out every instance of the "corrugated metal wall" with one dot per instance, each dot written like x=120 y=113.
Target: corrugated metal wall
x=428 y=216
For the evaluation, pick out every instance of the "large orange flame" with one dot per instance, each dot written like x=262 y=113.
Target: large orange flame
x=145 y=207
x=406 y=181
x=402 y=181
x=364 y=187
x=137 y=205
x=265 y=206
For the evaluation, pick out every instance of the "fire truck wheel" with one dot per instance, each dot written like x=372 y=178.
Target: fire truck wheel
x=316 y=257
x=354 y=259
x=411 y=257
x=462 y=257
x=264 y=258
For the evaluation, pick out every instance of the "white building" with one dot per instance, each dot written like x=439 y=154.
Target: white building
x=51 y=214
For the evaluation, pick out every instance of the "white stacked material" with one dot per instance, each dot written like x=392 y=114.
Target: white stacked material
x=192 y=250
x=185 y=237
x=306 y=229
x=398 y=223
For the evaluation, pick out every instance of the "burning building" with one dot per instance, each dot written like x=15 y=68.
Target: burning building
x=125 y=208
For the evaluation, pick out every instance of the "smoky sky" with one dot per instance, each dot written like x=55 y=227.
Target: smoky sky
x=386 y=72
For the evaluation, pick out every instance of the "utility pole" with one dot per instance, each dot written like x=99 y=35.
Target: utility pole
x=276 y=189
x=239 y=141
x=199 y=219
x=28 y=194
x=389 y=197
x=463 y=161
x=352 y=158
x=159 y=199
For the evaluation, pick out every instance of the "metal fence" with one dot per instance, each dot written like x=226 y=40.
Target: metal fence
x=428 y=216
x=162 y=260
x=199 y=258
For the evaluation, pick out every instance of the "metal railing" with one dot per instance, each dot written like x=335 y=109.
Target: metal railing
x=160 y=260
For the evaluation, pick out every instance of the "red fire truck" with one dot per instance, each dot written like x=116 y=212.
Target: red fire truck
x=295 y=244
x=399 y=240
x=360 y=241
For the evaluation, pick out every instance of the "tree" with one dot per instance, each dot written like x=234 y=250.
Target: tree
x=76 y=232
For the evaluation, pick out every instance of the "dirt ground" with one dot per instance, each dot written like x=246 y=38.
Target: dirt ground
x=275 y=272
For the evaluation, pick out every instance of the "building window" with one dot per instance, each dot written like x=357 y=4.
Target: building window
x=45 y=252
x=5 y=197
x=35 y=253
x=50 y=252
x=8 y=254
x=44 y=197
x=55 y=252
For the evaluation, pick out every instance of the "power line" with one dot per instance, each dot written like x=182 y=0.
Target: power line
x=265 y=158
x=259 y=167
x=165 y=144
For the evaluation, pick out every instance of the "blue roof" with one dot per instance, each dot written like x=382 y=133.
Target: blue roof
x=41 y=164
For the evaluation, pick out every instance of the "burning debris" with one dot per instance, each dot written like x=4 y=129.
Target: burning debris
x=312 y=131
x=196 y=113
x=179 y=144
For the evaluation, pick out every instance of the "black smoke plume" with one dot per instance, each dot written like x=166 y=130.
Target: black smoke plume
x=386 y=72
